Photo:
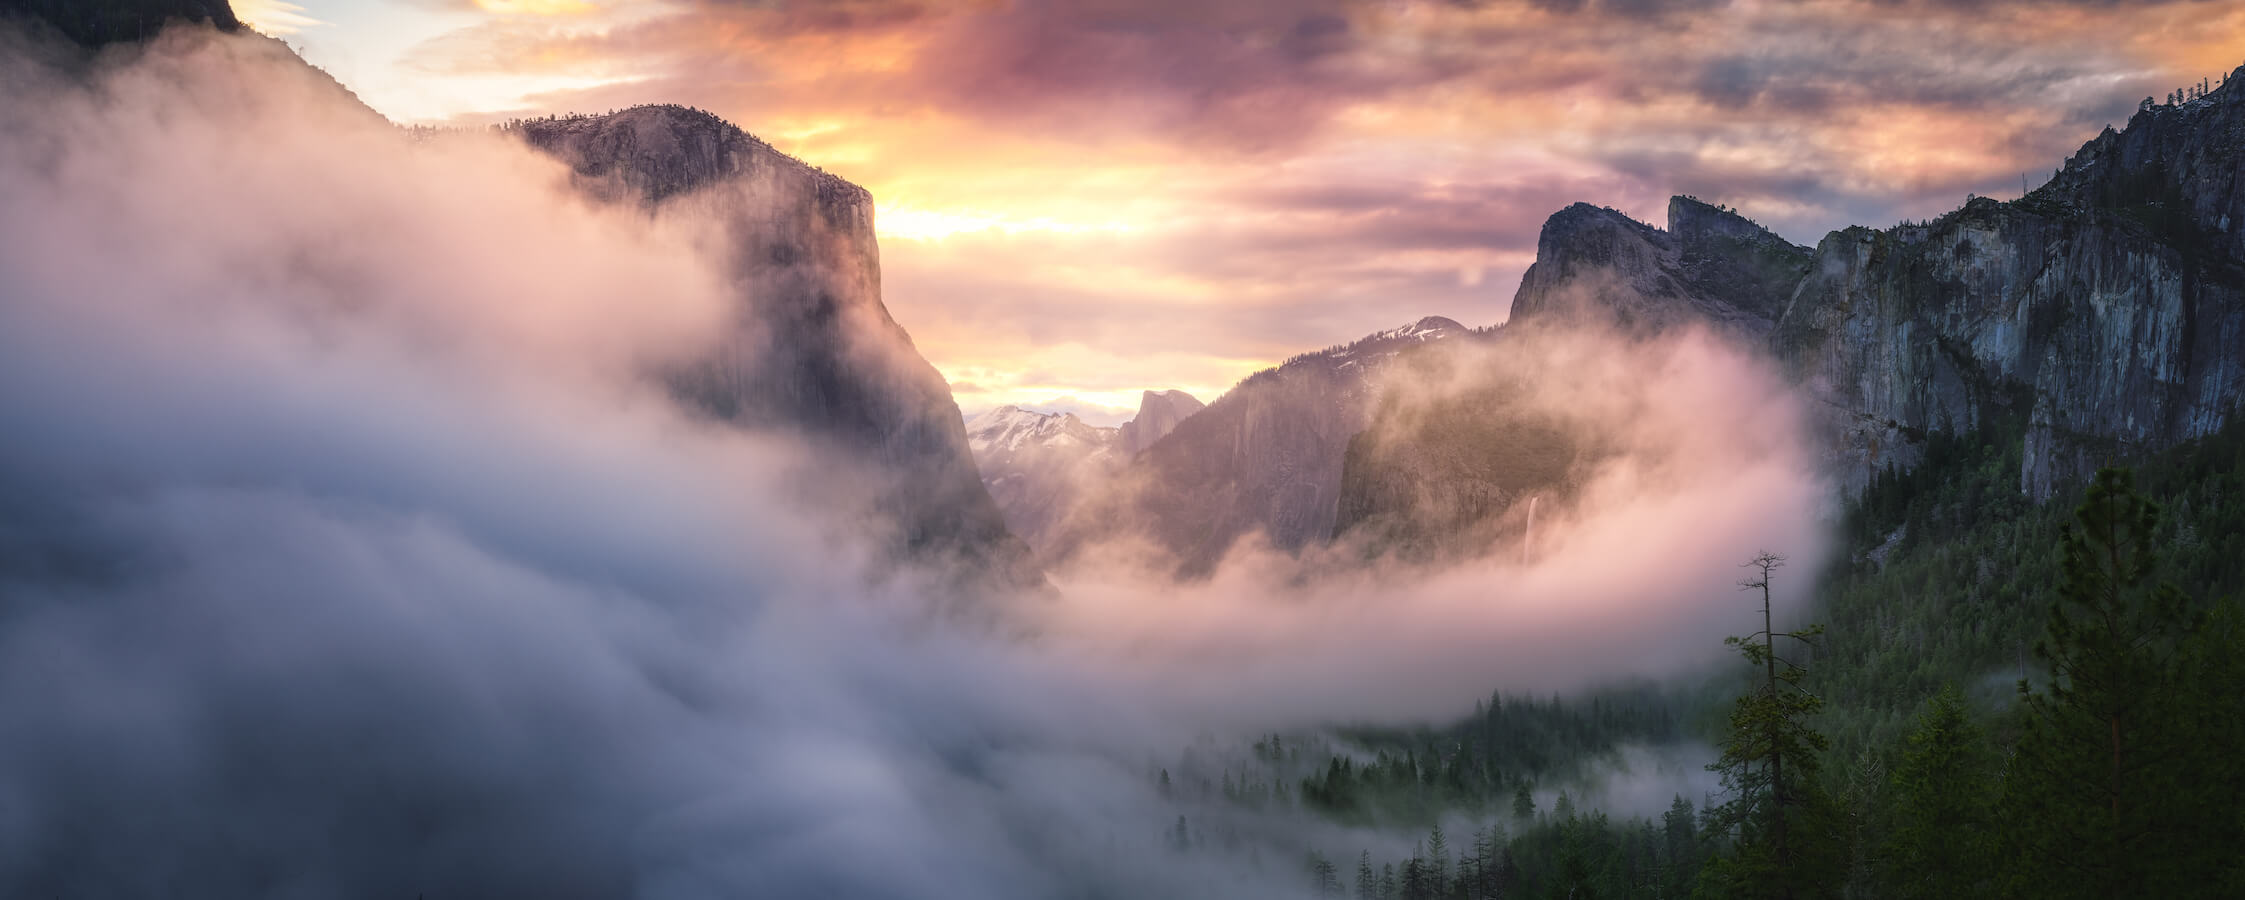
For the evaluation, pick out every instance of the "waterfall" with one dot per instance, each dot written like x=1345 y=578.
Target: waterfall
x=1528 y=544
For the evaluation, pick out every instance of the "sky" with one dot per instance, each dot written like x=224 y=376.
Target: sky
x=1081 y=200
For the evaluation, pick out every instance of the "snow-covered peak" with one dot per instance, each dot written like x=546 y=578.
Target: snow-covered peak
x=1431 y=328
x=1011 y=429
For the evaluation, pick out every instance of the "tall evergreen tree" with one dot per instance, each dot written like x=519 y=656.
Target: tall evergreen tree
x=1779 y=820
x=1679 y=848
x=1943 y=807
x=2093 y=797
x=1438 y=860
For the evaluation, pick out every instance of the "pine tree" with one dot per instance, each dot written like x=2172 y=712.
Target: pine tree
x=1680 y=847
x=1438 y=860
x=1780 y=822
x=1523 y=804
x=1323 y=876
x=1367 y=884
x=2092 y=797
x=1943 y=809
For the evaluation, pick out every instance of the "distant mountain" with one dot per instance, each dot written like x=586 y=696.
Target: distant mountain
x=1159 y=413
x=1042 y=468
x=1038 y=465
x=1265 y=457
x=817 y=353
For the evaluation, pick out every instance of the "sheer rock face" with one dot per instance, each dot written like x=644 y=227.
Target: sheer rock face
x=816 y=351
x=94 y=23
x=2103 y=314
x=1159 y=412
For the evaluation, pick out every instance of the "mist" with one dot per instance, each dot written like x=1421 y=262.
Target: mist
x=349 y=546
x=1700 y=461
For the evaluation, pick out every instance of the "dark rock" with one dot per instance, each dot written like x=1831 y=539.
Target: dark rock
x=96 y=23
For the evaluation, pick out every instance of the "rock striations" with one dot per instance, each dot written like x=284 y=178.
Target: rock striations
x=2103 y=314
x=2100 y=316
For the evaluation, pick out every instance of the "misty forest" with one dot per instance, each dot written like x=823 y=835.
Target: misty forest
x=556 y=495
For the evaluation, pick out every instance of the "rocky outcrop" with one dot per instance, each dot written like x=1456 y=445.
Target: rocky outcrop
x=1599 y=266
x=1159 y=413
x=816 y=352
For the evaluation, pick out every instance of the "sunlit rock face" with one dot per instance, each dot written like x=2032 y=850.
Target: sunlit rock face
x=816 y=351
x=98 y=22
x=1265 y=457
x=1159 y=413
x=1452 y=475
x=2104 y=313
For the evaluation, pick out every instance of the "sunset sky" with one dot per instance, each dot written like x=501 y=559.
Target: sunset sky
x=1080 y=200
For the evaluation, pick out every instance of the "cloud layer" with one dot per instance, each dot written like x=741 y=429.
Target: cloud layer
x=347 y=549
x=1089 y=198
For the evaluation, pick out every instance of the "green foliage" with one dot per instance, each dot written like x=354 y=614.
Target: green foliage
x=1779 y=817
x=2093 y=794
x=1939 y=845
x=1945 y=571
x=1914 y=686
x=1488 y=762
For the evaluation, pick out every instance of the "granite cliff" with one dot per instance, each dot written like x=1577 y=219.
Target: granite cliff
x=2101 y=316
x=816 y=352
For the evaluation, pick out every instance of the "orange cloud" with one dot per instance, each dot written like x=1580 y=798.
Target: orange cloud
x=1174 y=186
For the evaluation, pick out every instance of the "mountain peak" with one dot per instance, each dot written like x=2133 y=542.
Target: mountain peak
x=1712 y=265
x=1692 y=220
x=1158 y=415
x=1006 y=430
